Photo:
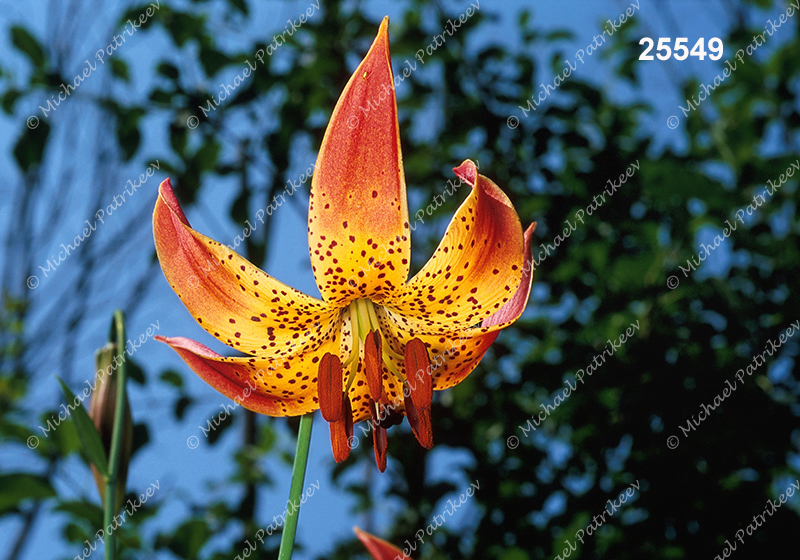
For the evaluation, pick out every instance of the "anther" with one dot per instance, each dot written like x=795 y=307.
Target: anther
x=373 y=364
x=342 y=432
x=330 y=387
x=420 y=391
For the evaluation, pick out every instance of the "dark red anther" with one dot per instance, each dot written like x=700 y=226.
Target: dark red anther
x=373 y=365
x=342 y=432
x=420 y=391
x=330 y=387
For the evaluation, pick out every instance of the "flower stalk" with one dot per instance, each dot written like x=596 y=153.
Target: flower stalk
x=296 y=488
x=110 y=499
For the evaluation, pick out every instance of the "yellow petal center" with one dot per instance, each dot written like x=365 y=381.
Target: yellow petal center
x=363 y=319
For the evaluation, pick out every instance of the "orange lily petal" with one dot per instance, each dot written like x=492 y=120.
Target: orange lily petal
x=453 y=355
x=286 y=386
x=476 y=268
x=358 y=209
x=511 y=311
x=379 y=548
x=231 y=298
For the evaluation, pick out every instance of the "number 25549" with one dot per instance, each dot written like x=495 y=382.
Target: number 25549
x=680 y=50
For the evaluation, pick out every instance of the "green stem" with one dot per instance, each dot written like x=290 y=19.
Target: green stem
x=296 y=489
x=110 y=502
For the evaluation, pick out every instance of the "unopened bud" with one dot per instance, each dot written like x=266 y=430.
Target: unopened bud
x=101 y=410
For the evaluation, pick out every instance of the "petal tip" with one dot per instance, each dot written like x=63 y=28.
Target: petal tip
x=467 y=172
x=379 y=548
x=166 y=185
x=167 y=195
x=381 y=42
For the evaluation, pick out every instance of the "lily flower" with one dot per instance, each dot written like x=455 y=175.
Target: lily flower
x=376 y=345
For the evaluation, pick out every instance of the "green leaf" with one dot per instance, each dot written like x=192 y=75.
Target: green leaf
x=181 y=405
x=240 y=5
x=83 y=510
x=184 y=27
x=208 y=154
x=515 y=553
x=217 y=431
x=172 y=377
x=9 y=99
x=28 y=45
x=213 y=60
x=120 y=69
x=141 y=437
x=136 y=373
x=188 y=539
x=30 y=147
x=91 y=443
x=168 y=70
x=134 y=13
x=128 y=135
x=16 y=487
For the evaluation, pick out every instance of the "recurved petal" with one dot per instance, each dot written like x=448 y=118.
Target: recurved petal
x=453 y=355
x=475 y=270
x=511 y=311
x=358 y=229
x=282 y=387
x=231 y=298
x=379 y=548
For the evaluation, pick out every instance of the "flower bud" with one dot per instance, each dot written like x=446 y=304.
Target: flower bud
x=101 y=410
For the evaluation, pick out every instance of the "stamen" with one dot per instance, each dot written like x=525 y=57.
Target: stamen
x=342 y=432
x=373 y=317
x=420 y=385
x=354 y=334
x=352 y=360
x=392 y=368
x=386 y=349
x=373 y=365
x=379 y=440
x=353 y=371
x=330 y=387
x=363 y=317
